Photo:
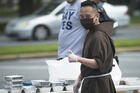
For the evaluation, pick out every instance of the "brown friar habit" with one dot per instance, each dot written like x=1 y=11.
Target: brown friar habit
x=97 y=46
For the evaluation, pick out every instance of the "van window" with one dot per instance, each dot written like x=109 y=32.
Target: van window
x=60 y=12
x=48 y=8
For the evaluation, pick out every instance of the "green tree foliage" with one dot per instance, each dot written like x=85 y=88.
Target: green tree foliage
x=26 y=7
x=132 y=4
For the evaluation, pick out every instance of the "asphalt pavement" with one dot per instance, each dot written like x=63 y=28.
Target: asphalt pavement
x=131 y=32
x=6 y=41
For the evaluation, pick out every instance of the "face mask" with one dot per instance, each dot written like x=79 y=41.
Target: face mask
x=70 y=1
x=87 y=23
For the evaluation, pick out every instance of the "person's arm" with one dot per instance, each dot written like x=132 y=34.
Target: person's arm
x=80 y=78
x=77 y=84
x=88 y=62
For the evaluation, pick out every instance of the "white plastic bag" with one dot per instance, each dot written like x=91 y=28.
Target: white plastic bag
x=116 y=73
x=62 y=69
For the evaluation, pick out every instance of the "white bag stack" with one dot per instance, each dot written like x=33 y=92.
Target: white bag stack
x=13 y=81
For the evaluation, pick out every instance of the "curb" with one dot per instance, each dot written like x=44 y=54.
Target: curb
x=54 y=54
x=128 y=49
x=28 y=56
x=134 y=25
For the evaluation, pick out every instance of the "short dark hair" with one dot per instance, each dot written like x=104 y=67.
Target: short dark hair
x=90 y=3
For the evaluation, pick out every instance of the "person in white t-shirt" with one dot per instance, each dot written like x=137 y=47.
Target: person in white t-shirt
x=72 y=33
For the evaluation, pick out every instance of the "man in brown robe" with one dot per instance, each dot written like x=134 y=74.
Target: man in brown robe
x=97 y=57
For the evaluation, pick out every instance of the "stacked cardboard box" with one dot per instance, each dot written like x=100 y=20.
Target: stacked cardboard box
x=13 y=81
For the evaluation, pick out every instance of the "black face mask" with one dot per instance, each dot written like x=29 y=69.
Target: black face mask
x=87 y=23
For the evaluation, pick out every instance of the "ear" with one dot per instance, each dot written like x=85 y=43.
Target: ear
x=98 y=16
x=96 y=20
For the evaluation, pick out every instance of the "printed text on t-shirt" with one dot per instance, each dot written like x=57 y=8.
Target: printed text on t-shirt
x=67 y=22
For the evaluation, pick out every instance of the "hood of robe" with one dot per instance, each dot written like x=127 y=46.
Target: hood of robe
x=107 y=27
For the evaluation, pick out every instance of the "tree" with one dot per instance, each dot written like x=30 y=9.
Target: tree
x=26 y=7
x=119 y=2
x=9 y=4
x=132 y=6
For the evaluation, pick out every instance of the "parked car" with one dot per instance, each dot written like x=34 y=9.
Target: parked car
x=47 y=21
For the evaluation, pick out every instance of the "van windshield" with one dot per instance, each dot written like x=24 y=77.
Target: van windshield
x=48 y=8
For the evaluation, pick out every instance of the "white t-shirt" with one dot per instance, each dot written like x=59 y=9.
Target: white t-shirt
x=72 y=34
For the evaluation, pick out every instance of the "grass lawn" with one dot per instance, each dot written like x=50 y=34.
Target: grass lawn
x=135 y=19
x=127 y=43
x=54 y=47
x=8 y=12
x=28 y=49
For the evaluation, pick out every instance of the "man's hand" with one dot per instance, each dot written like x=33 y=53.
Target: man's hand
x=77 y=86
x=72 y=57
